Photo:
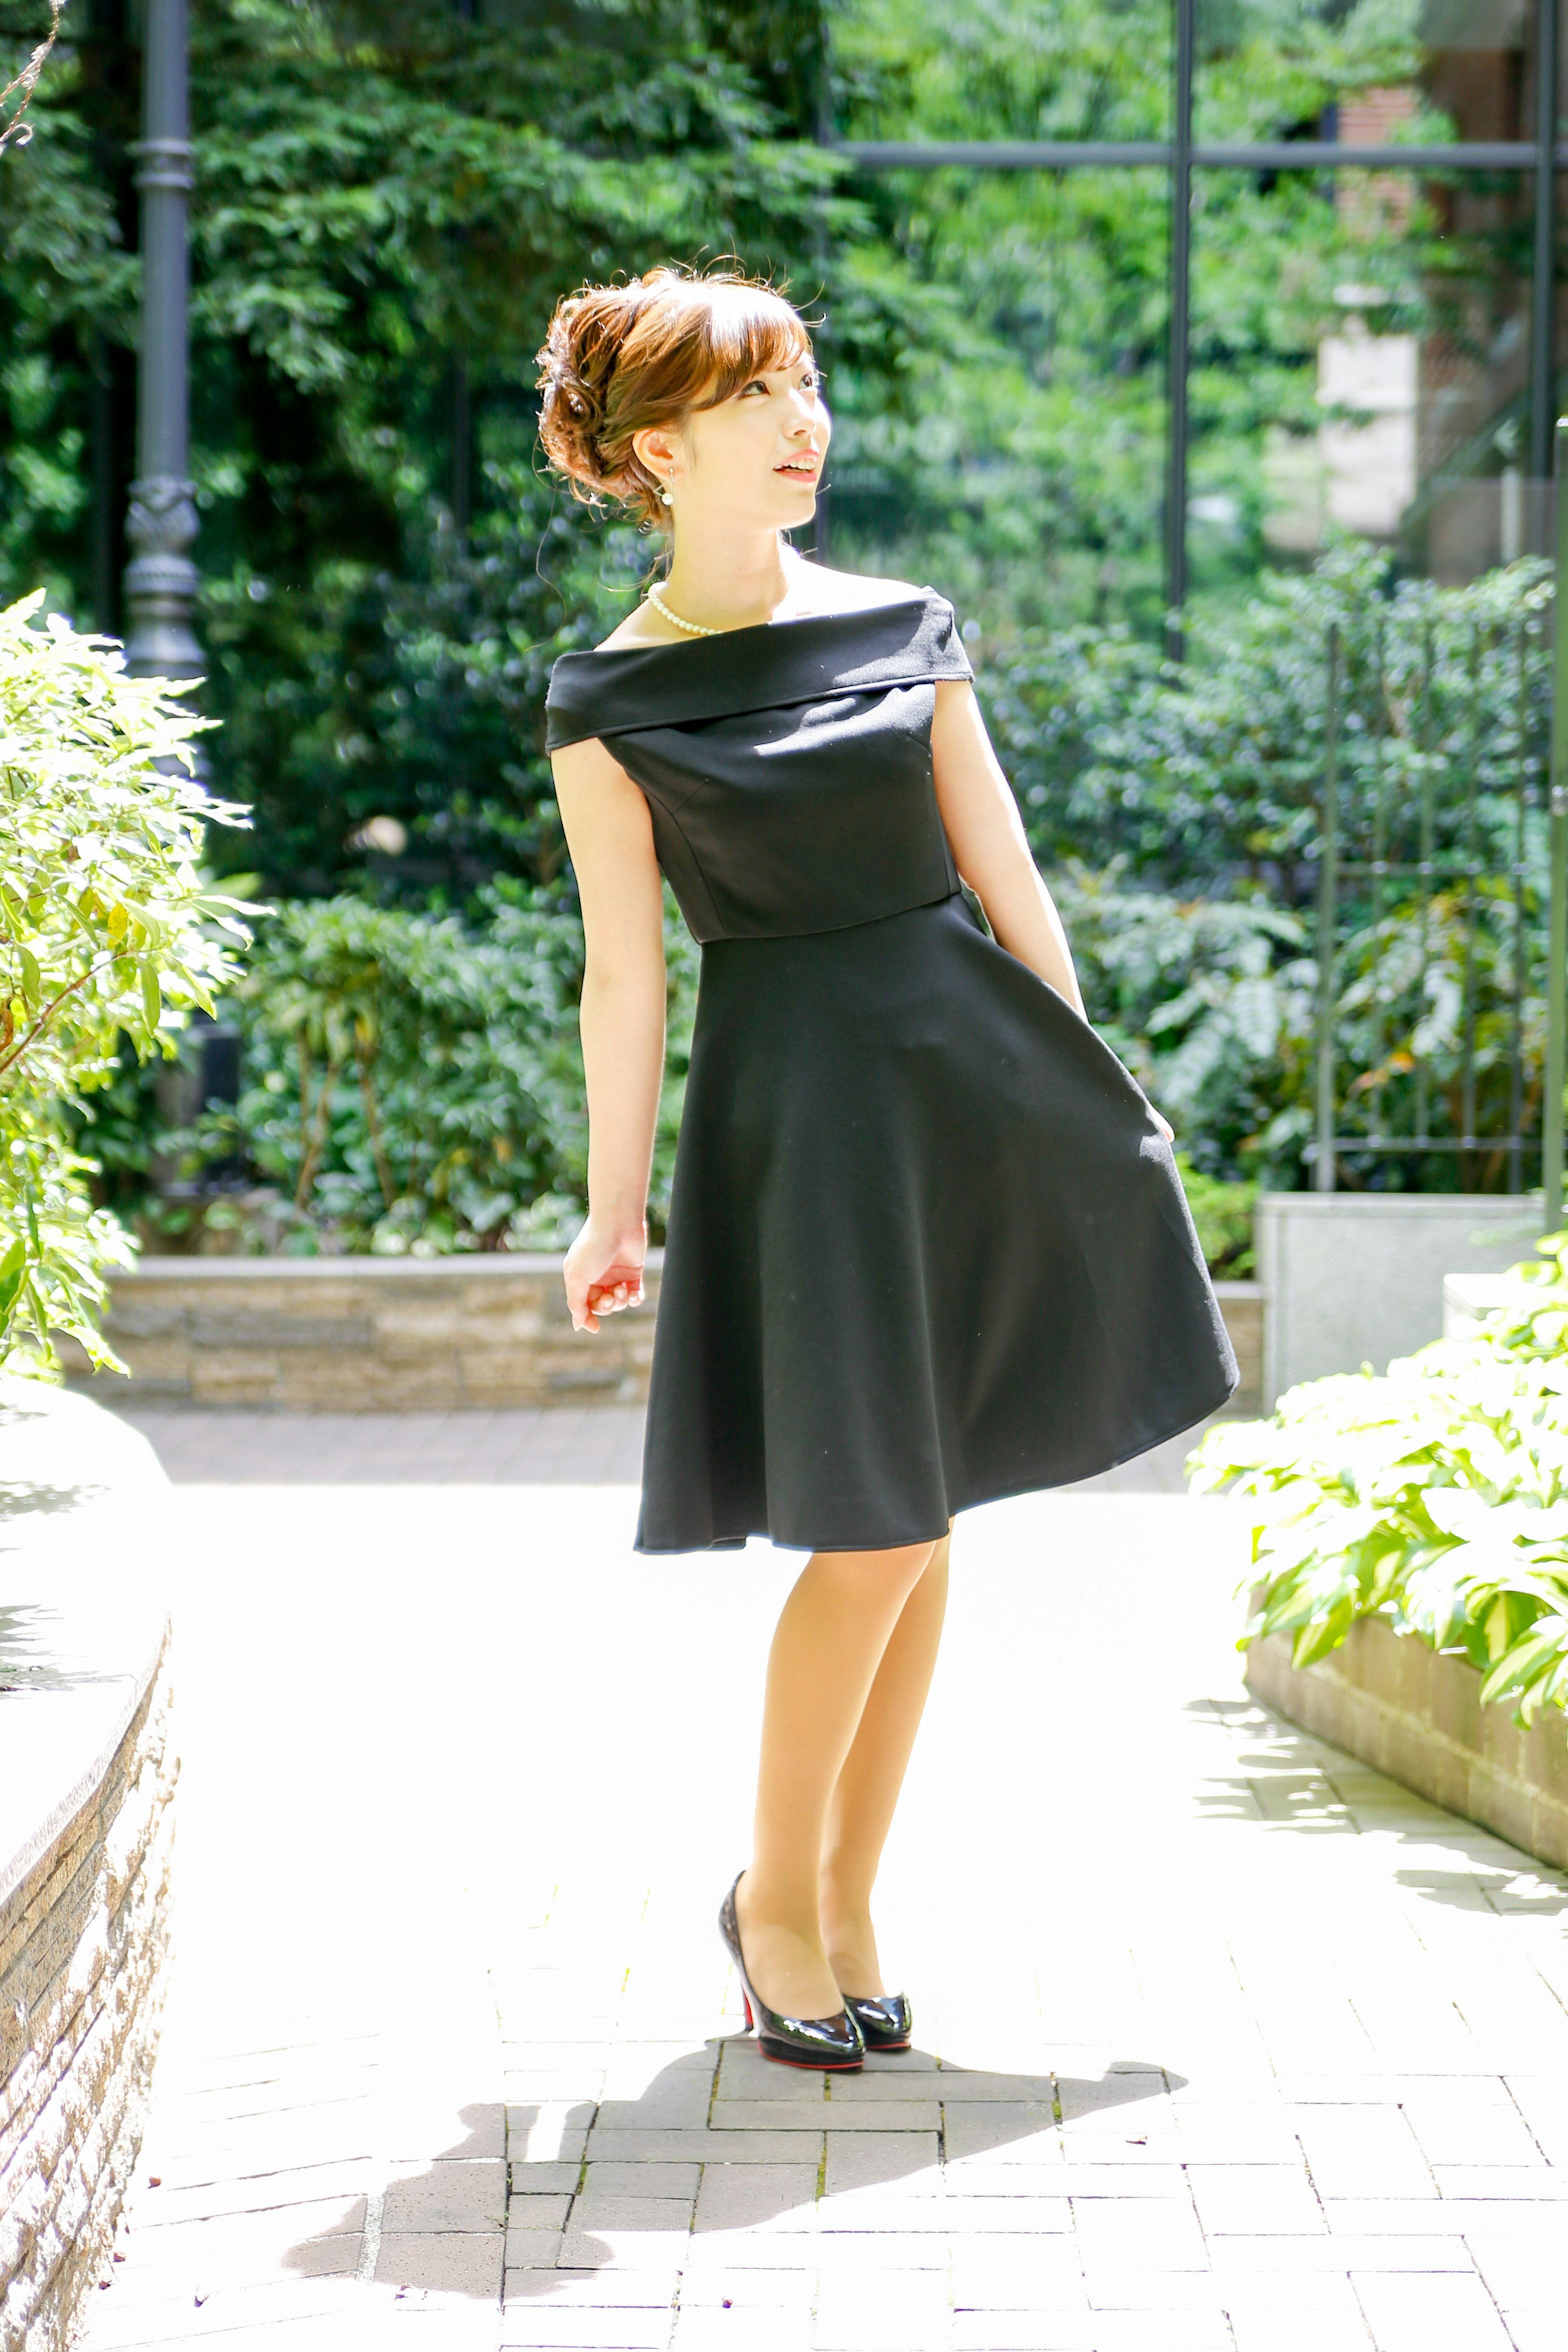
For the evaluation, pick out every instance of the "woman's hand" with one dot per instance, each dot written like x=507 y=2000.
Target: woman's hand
x=603 y=1272
x=1166 y=1130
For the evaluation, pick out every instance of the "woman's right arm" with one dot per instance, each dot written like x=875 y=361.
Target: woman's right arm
x=610 y=836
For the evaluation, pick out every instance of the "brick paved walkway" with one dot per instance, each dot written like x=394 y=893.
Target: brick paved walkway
x=1223 y=2041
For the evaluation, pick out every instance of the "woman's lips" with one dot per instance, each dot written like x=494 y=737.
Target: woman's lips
x=803 y=469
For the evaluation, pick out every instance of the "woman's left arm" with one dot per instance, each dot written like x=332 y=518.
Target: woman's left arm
x=986 y=836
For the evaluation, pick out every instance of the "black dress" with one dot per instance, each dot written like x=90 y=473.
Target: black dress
x=926 y=1245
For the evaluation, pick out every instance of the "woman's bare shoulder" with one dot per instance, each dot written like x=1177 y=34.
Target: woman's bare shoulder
x=822 y=589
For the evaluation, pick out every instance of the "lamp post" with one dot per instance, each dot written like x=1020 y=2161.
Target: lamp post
x=161 y=579
x=1557 y=853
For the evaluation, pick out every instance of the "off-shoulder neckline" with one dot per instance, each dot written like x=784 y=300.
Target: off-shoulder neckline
x=752 y=628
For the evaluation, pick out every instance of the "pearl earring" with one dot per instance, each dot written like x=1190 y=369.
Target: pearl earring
x=664 y=497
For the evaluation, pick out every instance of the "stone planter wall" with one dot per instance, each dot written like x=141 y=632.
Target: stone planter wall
x=86 y=1769
x=370 y=1334
x=367 y=1334
x=1388 y=1699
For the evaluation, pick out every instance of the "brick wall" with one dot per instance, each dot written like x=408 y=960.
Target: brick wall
x=82 y=1945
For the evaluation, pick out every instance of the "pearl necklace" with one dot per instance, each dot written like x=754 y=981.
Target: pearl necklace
x=692 y=628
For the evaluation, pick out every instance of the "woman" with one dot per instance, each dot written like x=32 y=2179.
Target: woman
x=927 y=1245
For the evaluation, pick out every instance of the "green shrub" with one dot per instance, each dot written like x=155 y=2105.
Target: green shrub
x=1435 y=1496
x=1223 y=1214
x=106 y=929
x=414 y=1082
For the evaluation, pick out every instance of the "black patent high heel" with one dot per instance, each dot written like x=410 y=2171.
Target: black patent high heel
x=886 y=2020
x=836 y=2043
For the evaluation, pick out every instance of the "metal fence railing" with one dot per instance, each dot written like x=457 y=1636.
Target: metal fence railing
x=1442 y=903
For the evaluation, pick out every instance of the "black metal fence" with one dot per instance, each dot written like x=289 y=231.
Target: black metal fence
x=1441 y=924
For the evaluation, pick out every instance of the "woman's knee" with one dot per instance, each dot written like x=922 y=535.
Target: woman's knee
x=899 y=1568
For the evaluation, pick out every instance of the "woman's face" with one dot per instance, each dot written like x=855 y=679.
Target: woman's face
x=755 y=459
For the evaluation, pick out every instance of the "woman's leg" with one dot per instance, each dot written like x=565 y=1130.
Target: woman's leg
x=831 y=1637
x=861 y=1812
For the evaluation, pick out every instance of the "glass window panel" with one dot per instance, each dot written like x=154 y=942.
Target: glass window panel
x=1368 y=73
x=1001 y=69
x=1018 y=465
x=1360 y=363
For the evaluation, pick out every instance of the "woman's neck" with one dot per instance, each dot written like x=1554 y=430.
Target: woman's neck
x=729 y=585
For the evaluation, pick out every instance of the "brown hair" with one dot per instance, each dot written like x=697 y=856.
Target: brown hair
x=618 y=359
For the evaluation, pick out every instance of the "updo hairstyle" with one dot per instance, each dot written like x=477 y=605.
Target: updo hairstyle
x=619 y=359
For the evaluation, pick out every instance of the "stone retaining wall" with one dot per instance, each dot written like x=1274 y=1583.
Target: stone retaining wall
x=87 y=1770
x=366 y=1334
x=363 y=1335
x=1417 y=1716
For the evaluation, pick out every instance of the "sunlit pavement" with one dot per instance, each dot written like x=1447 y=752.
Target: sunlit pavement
x=1222 y=2040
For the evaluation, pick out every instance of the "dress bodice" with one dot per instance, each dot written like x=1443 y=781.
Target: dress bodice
x=787 y=767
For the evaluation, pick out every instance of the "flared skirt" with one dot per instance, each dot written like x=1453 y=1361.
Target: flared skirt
x=926 y=1248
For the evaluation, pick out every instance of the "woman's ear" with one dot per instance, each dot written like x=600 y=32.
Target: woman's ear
x=656 y=446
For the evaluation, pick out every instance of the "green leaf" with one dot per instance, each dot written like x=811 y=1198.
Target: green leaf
x=13 y=1274
x=152 y=996
x=32 y=979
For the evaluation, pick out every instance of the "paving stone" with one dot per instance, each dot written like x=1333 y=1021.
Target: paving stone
x=675 y=2146
x=454 y=2197
x=1142 y=2233
x=593 y=2245
x=1245 y=2197
x=743 y=2196
x=846 y=2115
x=993 y=2128
x=642 y=2180
x=1363 y=2152
x=1018 y=2274
x=465 y=2261
x=1511 y=2183
x=1271 y=2325
x=757 y=2329
x=877 y=2160
x=541 y=2329
x=1431 y=2314
x=646 y=2288
x=1519 y=2271
x=529 y=2249
x=1478 y=2125
x=1282 y=2257
x=750 y=2290
x=884 y=2314
x=1540 y=2330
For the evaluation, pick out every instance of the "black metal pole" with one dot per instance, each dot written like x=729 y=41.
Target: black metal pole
x=1176 y=375
x=161 y=579
x=1557 y=853
x=1543 y=406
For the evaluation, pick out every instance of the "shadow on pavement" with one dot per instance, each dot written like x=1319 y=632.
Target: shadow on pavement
x=756 y=2131
x=1280 y=1776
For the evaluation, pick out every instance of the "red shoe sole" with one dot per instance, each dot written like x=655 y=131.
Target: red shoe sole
x=813 y=2065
